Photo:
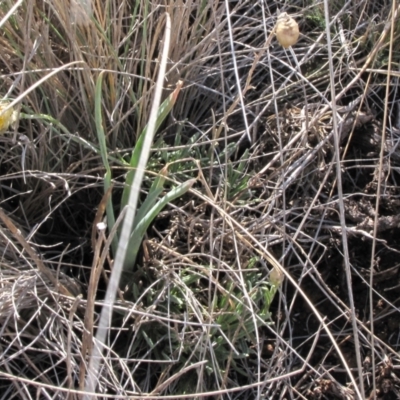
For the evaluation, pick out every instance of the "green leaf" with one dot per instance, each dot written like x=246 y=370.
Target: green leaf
x=151 y=198
x=104 y=156
x=142 y=225
x=163 y=111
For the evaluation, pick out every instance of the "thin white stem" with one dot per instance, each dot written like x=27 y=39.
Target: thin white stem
x=378 y=195
x=359 y=390
x=106 y=312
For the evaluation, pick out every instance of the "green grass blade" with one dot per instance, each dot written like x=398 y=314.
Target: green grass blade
x=156 y=189
x=104 y=156
x=163 y=111
x=144 y=223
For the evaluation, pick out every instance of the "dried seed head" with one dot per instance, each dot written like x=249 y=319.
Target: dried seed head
x=286 y=30
x=276 y=277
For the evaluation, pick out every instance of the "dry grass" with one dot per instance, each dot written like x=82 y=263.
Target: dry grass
x=198 y=317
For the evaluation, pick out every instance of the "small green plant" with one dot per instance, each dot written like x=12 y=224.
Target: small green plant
x=237 y=180
x=315 y=17
x=182 y=166
x=180 y=158
x=230 y=344
x=153 y=203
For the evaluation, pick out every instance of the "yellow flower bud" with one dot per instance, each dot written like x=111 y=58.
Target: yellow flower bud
x=286 y=30
x=6 y=117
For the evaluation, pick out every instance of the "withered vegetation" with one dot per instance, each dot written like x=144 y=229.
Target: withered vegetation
x=262 y=129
